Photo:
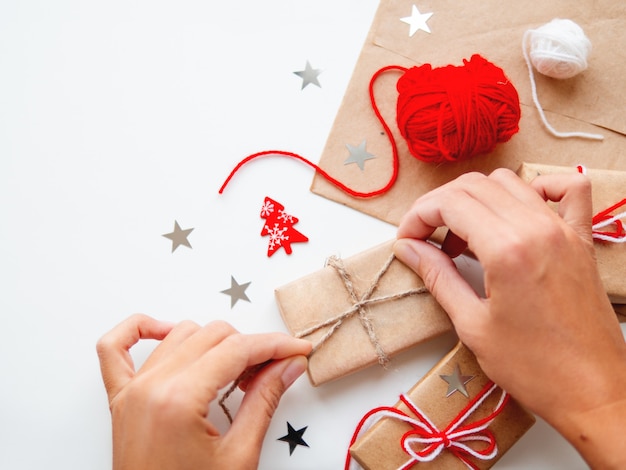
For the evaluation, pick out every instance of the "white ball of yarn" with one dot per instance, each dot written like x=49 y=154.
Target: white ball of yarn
x=559 y=49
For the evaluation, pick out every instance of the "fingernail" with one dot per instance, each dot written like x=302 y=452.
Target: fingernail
x=405 y=252
x=293 y=370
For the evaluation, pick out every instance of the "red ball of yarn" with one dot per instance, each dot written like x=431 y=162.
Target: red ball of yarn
x=454 y=113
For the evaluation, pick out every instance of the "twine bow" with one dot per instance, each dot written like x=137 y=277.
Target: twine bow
x=425 y=442
x=359 y=307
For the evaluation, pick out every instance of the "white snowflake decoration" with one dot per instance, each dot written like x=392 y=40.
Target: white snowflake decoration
x=277 y=235
x=286 y=218
x=267 y=209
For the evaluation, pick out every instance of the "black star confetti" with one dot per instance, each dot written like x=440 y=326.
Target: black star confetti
x=309 y=76
x=294 y=438
x=178 y=236
x=236 y=291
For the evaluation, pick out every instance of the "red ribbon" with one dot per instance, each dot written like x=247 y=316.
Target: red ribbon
x=425 y=442
x=604 y=219
x=324 y=174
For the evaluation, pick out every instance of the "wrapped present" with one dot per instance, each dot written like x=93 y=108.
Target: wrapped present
x=454 y=418
x=608 y=189
x=589 y=102
x=359 y=311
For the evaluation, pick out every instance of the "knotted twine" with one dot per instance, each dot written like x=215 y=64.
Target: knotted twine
x=359 y=307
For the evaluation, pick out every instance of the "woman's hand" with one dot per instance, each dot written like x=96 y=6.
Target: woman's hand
x=545 y=331
x=160 y=413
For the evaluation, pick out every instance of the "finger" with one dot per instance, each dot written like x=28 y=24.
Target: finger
x=444 y=282
x=507 y=196
x=248 y=375
x=456 y=204
x=262 y=397
x=469 y=218
x=483 y=211
x=518 y=188
x=413 y=226
x=116 y=364
x=197 y=344
x=181 y=332
x=573 y=192
x=227 y=360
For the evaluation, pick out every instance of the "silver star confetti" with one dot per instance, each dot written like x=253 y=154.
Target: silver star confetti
x=236 y=291
x=179 y=236
x=417 y=21
x=358 y=155
x=309 y=76
x=456 y=382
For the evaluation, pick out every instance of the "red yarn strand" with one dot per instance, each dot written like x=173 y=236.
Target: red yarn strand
x=324 y=174
x=445 y=114
x=359 y=427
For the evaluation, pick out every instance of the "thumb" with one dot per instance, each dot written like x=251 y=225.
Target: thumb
x=262 y=396
x=442 y=279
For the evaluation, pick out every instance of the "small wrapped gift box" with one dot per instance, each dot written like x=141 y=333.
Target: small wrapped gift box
x=608 y=190
x=454 y=418
x=359 y=311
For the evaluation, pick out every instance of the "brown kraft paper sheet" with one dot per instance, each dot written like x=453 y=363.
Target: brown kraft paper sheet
x=590 y=102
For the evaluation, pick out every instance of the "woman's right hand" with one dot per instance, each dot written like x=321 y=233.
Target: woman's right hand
x=545 y=331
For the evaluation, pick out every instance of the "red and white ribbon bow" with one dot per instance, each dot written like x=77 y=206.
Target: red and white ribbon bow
x=425 y=442
x=456 y=435
x=604 y=219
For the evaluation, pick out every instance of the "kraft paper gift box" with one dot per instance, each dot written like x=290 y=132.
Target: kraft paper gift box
x=380 y=447
x=592 y=101
x=396 y=323
x=608 y=187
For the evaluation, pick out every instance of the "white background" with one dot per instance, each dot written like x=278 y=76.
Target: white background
x=119 y=117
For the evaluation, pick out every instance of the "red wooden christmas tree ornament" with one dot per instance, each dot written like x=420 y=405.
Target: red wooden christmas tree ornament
x=279 y=227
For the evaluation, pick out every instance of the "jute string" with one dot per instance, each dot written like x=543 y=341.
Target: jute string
x=245 y=375
x=358 y=308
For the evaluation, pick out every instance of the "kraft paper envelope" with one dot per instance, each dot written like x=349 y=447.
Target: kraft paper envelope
x=592 y=101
